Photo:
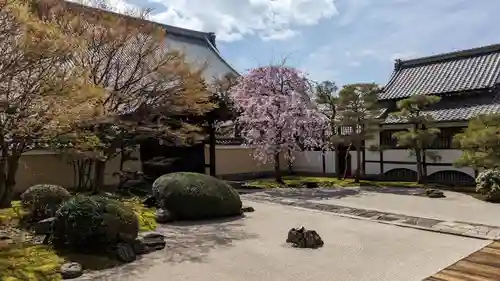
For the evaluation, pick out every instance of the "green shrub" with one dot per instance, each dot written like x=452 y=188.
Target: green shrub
x=488 y=184
x=192 y=196
x=89 y=223
x=41 y=201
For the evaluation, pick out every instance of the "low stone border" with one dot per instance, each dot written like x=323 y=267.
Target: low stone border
x=465 y=229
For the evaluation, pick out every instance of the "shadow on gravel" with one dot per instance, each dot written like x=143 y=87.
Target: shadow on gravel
x=185 y=242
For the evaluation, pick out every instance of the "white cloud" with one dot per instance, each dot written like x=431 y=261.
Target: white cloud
x=354 y=64
x=231 y=20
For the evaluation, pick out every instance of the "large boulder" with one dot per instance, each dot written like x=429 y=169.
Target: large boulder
x=42 y=200
x=193 y=196
x=94 y=223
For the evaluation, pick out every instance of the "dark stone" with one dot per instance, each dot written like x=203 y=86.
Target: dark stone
x=247 y=209
x=41 y=239
x=302 y=238
x=71 y=270
x=44 y=226
x=150 y=202
x=434 y=193
x=149 y=243
x=163 y=216
x=310 y=184
x=151 y=235
x=125 y=252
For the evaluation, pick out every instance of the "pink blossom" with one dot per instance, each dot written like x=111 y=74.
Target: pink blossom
x=277 y=114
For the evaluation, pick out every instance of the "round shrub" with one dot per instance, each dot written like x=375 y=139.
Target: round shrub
x=192 y=196
x=89 y=223
x=488 y=184
x=41 y=201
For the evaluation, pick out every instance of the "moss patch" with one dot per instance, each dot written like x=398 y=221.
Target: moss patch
x=330 y=182
x=147 y=221
x=25 y=261
x=22 y=261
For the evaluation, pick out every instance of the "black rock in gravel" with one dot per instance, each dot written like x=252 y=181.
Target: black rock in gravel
x=149 y=242
x=125 y=252
x=302 y=238
x=247 y=209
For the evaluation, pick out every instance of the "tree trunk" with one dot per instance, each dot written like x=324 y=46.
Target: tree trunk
x=358 y=163
x=323 y=161
x=98 y=176
x=8 y=180
x=277 y=170
x=418 y=155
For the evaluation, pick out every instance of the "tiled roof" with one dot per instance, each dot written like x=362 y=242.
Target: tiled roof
x=466 y=70
x=206 y=39
x=459 y=108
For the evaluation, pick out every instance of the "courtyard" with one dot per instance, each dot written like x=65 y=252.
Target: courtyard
x=254 y=248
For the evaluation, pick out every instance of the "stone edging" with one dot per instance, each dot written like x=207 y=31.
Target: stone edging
x=463 y=229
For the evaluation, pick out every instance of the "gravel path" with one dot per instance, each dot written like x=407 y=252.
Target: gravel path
x=455 y=207
x=253 y=249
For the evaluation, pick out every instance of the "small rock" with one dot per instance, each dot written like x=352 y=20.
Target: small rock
x=71 y=270
x=163 y=216
x=150 y=202
x=44 y=226
x=302 y=238
x=125 y=252
x=151 y=235
x=434 y=193
x=149 y=243
x=247 y=209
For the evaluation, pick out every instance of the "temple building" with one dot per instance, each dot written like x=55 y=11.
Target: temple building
x=467 y=82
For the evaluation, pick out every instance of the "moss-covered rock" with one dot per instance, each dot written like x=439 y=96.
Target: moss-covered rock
x=193 y=196
x=41 y=201
x=89 y=223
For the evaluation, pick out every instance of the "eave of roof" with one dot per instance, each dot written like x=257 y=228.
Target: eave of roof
x=466 y=70
x=458 y=109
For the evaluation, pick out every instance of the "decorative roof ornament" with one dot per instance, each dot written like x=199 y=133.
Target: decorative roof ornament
x=397 y=64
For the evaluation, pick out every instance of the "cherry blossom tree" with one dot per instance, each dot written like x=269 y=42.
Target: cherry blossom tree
x=276 y=114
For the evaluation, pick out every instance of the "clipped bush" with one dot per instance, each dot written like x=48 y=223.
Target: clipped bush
x=488 y=184
x=192 y=196
x=90 y=222
x=41 y=201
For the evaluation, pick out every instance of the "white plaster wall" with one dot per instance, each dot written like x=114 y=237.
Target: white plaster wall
x=400 y=155
x=388 y=167
x=447 y=155
x=354 y=161
x=372 y=168
x=311 y=161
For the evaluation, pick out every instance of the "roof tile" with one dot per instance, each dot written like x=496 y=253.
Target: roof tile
x=452 y=72
x=458 y=109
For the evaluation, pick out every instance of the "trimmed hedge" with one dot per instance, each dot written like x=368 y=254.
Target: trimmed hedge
x=193 y=196
x=41 y=201
x=90 y=223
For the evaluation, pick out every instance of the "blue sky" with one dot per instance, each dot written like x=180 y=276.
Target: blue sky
x=346 y=41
